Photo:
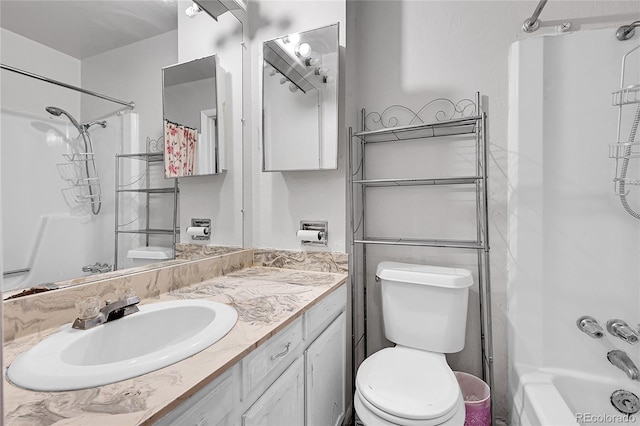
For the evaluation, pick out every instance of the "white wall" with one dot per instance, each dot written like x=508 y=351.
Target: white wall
x=453 y=49
x=31 y=95
x=292 y=144
x=184 y=101
x=220 y=197
x=130 y=73
x=281 y=199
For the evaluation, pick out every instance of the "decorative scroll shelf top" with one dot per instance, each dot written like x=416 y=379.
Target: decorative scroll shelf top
x=155 y=146
x=440 y=117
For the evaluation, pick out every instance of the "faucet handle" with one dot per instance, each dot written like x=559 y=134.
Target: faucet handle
x=590 y=326
x=88 y=308
x=123 y=293
x=621 y=329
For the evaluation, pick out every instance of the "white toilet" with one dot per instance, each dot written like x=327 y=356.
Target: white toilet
x=425 y=313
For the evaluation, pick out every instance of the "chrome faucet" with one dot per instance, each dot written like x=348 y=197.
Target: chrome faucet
x=97 y=268
x=621 y=329
x=621 y=360
x=590 y=326
x=109 y=312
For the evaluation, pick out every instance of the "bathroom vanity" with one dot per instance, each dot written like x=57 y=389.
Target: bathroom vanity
x=297 y=377
x=282 y=363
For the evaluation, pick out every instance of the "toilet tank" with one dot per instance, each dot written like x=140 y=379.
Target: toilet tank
x=424 y=307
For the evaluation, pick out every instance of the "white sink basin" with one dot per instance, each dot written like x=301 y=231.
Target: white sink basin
x=159 y=335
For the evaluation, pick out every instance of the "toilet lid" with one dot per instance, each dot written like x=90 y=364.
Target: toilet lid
x=408 y=383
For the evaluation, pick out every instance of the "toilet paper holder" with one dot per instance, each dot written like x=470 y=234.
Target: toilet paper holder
x=320 y=232
x=205 y=225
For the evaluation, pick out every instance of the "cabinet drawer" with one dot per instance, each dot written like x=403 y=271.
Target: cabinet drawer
x=318 y=317
x=283 y=403
x=271 y=359
x=210 y=406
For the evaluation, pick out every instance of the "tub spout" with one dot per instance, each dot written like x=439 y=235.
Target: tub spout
x=621 y=360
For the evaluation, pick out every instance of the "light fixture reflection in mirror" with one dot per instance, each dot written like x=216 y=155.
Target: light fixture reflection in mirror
x=300 y=119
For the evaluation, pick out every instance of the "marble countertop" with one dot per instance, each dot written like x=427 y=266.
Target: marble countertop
x=267 y=300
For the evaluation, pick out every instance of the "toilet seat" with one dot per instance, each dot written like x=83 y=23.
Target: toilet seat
x=408 y=386
x=369 y=418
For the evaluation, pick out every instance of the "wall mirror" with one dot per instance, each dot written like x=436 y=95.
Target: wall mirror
x=193 y=103
x=300 y=101
x=118 y=48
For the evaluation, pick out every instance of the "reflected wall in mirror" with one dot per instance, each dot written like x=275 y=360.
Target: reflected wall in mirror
x=300 y=101
x=49 y=233
x=193 y=110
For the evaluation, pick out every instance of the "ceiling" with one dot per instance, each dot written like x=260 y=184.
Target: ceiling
x=84 y=28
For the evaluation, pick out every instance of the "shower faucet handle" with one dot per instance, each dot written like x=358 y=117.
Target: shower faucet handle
x=590 y=326
x=621 y=329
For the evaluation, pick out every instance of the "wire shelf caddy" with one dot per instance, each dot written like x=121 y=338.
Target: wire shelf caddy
x=623 y=152
x=626 y=96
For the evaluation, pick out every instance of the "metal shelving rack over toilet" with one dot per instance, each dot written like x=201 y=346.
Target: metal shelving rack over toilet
x=147 y=190
x=467 y=118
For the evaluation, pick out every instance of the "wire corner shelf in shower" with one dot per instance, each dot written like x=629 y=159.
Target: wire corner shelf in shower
x=84 y=187
x=623 y=152
x=626 y=96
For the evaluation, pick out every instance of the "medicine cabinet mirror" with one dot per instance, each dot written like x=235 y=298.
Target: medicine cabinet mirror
x=300 y=101
x=193 y=108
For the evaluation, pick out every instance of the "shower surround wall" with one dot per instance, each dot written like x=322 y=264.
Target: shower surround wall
x=41 y=218
x=573 y=249
x=30 y=177
x=35 y=224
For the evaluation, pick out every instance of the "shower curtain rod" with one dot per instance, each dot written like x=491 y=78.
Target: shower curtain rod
x=130 y=105
x=532 y=24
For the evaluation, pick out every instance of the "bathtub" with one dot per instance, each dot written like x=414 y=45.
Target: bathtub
x=555 y=397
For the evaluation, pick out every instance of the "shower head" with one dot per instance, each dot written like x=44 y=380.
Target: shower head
x=58 y=111
x=53 y=110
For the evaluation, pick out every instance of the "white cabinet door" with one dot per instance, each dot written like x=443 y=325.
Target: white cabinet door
x=325 y=381
x=282 y=404
x=211 y=406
